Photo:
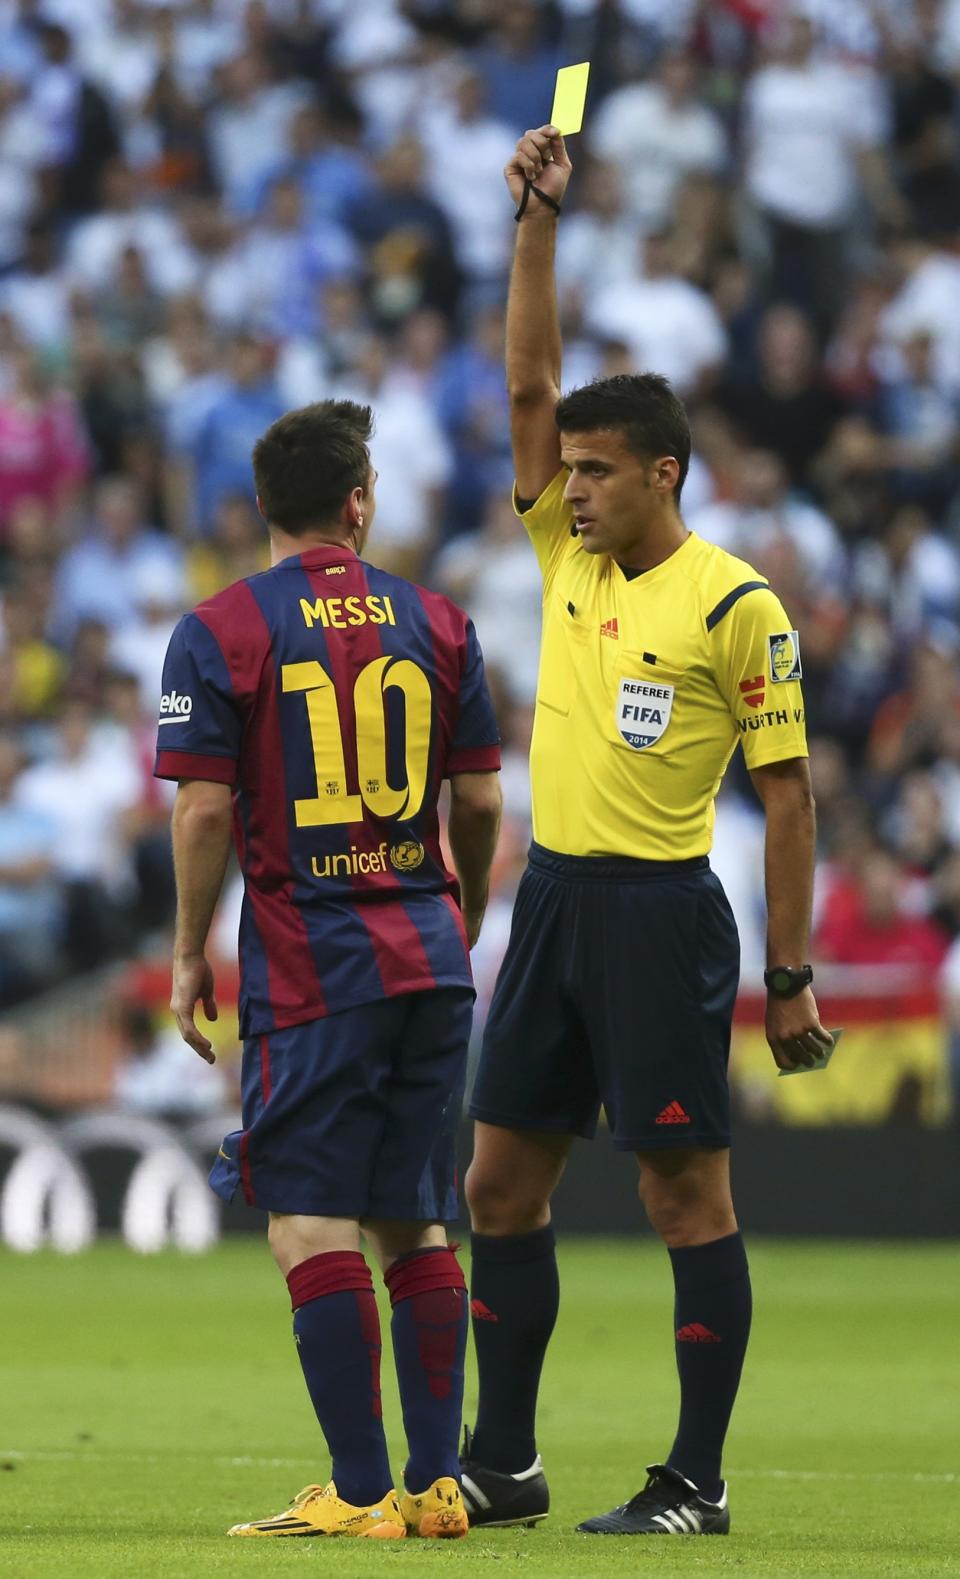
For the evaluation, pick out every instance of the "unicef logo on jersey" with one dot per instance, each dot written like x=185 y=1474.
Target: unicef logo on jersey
x=643 y=712
x=407 y=855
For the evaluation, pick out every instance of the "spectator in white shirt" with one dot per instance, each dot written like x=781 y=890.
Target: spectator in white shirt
x=598 y=244
x=481 y=220
x=20 y=156
x=927 y=303
x=270 y=279
x=413 y=461
x=249 y=128
x=37 y=293
x=659 y=132
x=764 y=510
x=814 y=132
x=670 y=326
x=87 y=794
x=97 y=245
x=55 y=91
x=98 y=578
x=497 y=580
x=158 y=1075
x=159 y=593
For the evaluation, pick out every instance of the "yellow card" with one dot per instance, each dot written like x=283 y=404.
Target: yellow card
x=569 y=98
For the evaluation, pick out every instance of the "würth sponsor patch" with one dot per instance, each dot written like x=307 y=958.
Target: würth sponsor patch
x=753 y=690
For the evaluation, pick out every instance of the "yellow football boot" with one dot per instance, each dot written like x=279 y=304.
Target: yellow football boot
x=317 y=1510
x=438 y=1513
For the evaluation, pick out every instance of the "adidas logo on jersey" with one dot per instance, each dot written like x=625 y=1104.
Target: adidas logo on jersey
x=610 y=628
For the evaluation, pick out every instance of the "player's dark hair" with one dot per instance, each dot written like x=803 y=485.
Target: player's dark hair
x=640 y=405
x=307 y=463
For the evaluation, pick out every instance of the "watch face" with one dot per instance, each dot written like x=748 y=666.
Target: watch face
x=781 y=980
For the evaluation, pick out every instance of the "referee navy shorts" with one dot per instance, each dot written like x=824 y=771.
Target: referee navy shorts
x=617 y=988
x=356 y=1114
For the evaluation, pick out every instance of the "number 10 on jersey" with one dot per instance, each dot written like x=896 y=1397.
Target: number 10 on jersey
x=333 y=804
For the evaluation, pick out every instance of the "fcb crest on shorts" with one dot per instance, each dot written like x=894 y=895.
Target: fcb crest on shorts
x=785 y=657
x=643 y=712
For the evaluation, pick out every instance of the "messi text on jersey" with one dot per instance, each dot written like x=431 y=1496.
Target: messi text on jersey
x=341 y=613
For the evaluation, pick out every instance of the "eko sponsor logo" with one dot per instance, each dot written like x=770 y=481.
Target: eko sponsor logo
x=175 y=707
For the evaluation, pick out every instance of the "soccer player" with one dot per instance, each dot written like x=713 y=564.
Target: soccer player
x=660 y=653
x=318 y=707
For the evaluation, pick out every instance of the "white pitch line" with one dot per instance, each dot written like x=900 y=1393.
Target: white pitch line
x=948 y=1478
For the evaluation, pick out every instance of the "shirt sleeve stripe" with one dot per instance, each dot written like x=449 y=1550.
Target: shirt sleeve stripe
x=726 y=604
x=191 y=765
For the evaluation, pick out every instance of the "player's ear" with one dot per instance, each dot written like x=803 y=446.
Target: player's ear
x=261 y=511
x=666 y=474
x=355 y=503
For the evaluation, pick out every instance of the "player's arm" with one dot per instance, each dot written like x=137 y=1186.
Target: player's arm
x=476 y=804
x=198 y=745
x=793 y=1024
x=201 y=828
x=534 y=351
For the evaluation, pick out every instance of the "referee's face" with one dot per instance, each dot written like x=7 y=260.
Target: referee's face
x=615 y=496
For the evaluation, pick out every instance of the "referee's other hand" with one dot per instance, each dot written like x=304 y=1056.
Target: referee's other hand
x=540 y=157
x=796 y=1037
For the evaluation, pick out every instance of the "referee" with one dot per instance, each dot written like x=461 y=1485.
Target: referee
x=660 y=653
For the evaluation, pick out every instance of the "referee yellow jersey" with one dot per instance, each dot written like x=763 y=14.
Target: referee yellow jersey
x=647 y=682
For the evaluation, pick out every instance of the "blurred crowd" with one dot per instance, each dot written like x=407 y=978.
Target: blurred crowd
x=214 y=210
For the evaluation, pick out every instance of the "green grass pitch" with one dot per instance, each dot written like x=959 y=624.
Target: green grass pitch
x=145 y=1404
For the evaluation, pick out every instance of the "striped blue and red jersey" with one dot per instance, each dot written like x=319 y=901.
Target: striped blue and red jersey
x=334 y=699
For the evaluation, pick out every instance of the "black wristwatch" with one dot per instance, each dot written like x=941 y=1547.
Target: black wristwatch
x=784 y=981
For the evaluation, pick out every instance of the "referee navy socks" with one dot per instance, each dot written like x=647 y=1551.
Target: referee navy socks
x=712 y=1325
x=515 y=1292
x=337 y=1328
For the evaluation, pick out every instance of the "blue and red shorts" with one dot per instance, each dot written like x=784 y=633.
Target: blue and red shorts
x=356 y=1114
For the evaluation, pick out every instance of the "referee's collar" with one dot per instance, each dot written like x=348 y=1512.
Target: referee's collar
x=629 y=573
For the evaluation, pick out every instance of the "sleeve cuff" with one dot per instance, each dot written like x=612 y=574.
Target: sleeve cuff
x=482 y=759
x=790 y=751
x=191 y=765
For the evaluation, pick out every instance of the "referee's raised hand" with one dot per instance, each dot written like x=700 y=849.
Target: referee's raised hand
x=541 y=158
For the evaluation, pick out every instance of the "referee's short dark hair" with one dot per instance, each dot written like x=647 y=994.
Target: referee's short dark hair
x=642 y=406
x=307 y=463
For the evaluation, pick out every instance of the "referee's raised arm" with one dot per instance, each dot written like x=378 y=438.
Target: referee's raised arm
x=537 y=177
